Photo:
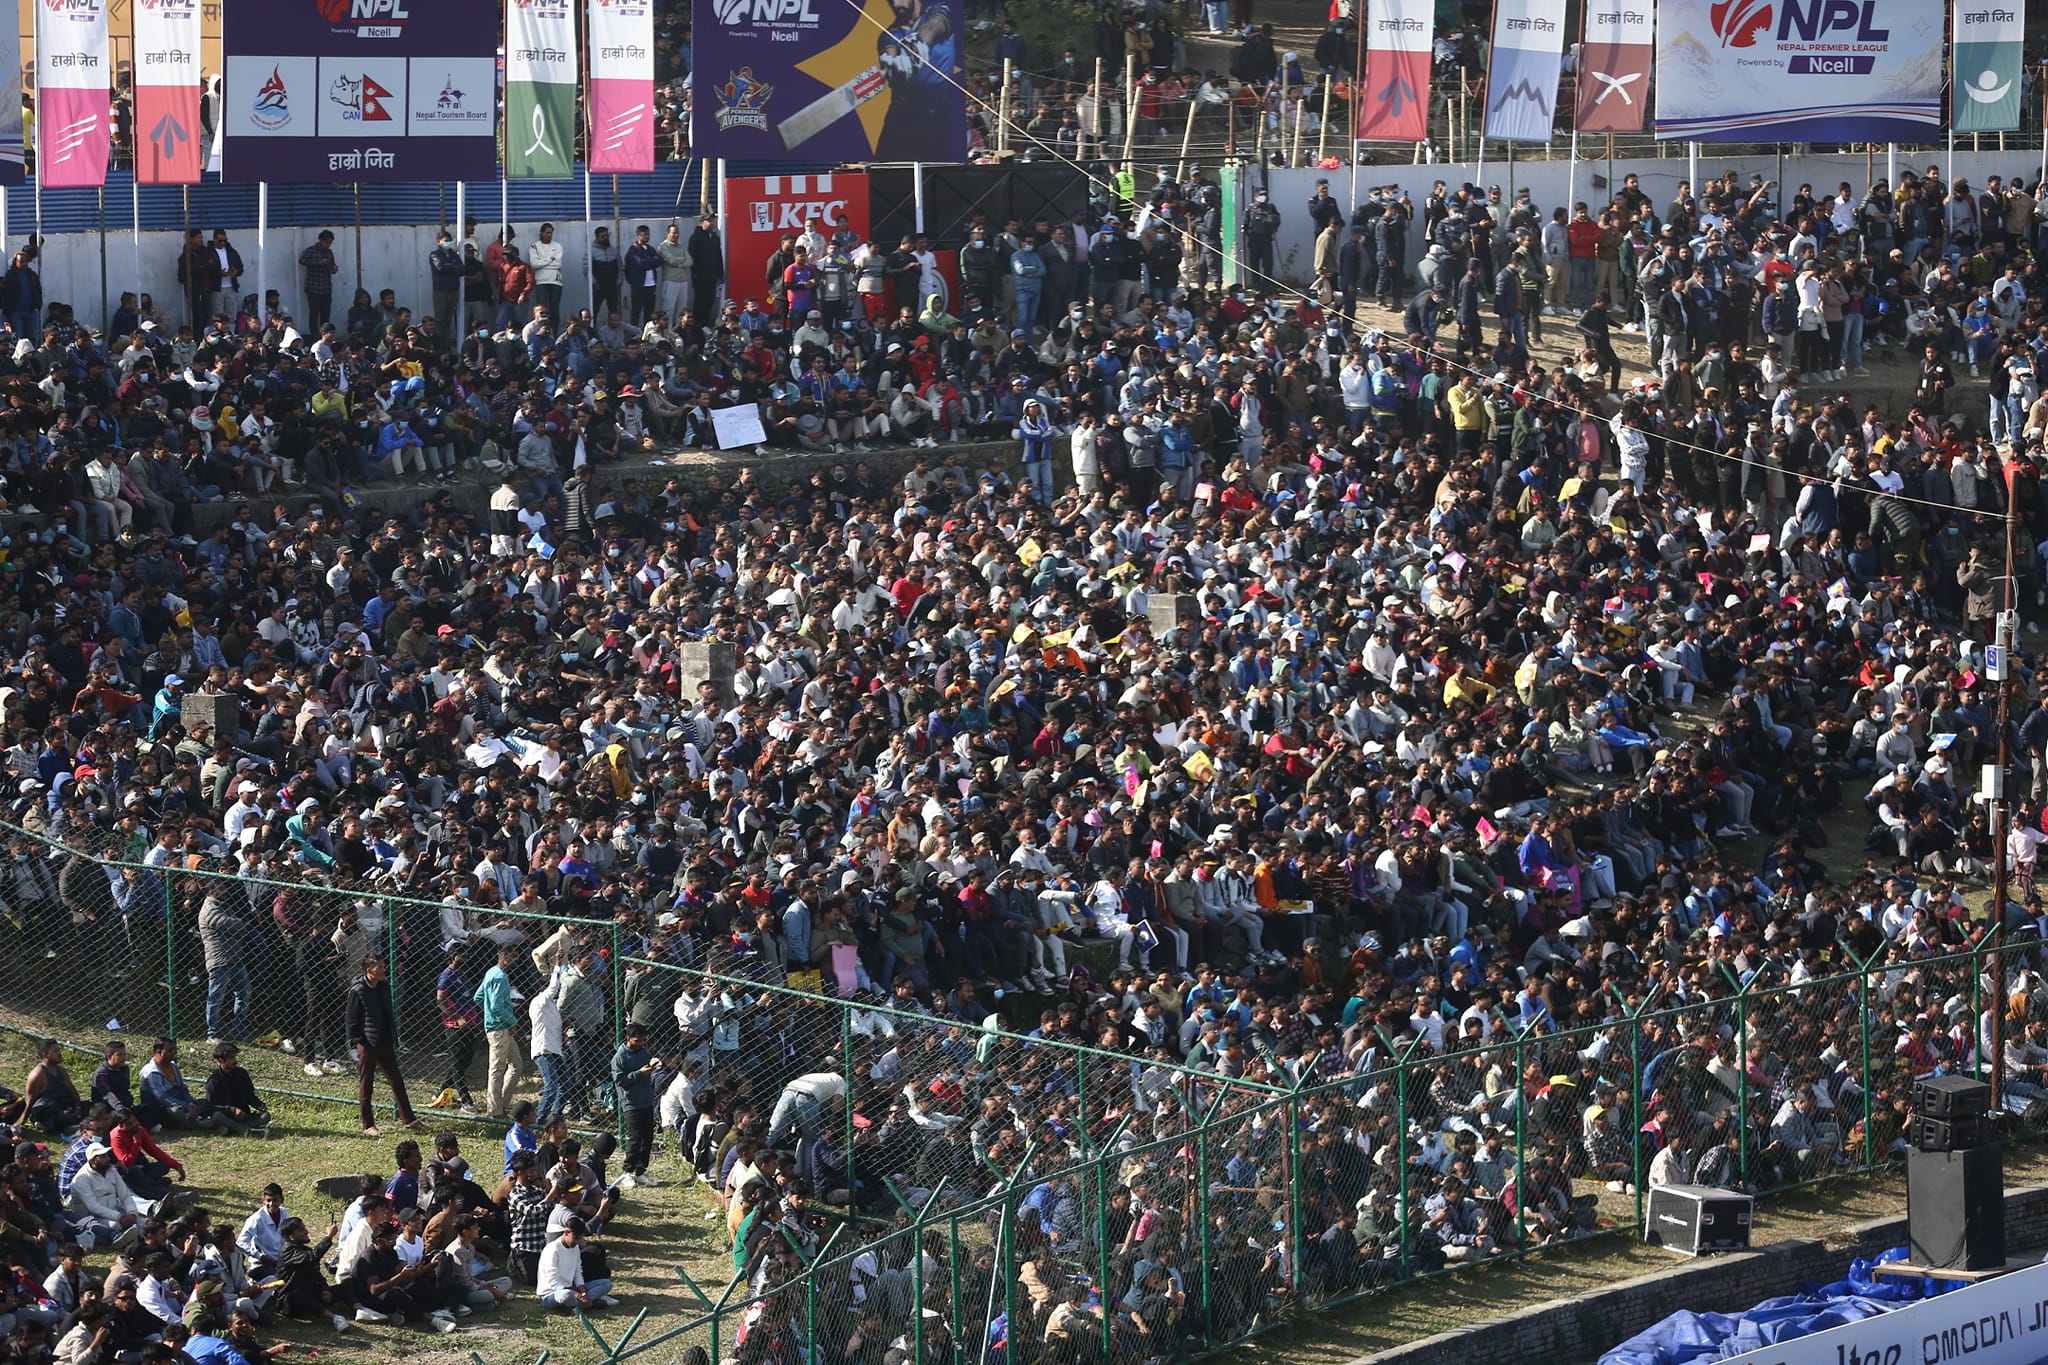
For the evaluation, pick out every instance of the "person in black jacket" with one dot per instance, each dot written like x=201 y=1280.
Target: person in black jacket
x=373 y=1033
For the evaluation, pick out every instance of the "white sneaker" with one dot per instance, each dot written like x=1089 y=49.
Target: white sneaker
x=340 y=1322
x=313 y=1069
x=444 y=1325
x=332 y=1067
x=369 y=1315
x=1614 y=1187
x=646 y=1182
x=627 y=1182
x=608 y=1301
x=462 y=1310
x=288 y=1047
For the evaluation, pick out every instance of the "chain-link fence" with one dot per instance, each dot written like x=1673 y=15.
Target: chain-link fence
x=967 y=1185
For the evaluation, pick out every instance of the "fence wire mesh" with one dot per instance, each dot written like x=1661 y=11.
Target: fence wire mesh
x=987 y=1195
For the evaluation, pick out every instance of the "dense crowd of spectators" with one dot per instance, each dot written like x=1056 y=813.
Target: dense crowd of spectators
x=1352 y=691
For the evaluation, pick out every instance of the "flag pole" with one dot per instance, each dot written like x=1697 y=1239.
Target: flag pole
x=1356 y=104
x=135 y=236
x=461 y=327
x=262 y=247
x=589 y=263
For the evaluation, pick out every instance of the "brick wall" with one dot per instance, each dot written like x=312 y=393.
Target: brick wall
x=1580 y=1329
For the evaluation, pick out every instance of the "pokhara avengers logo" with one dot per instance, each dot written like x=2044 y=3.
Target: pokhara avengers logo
x=1738 y=23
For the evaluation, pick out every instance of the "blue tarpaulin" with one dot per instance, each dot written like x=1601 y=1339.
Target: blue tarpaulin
x=1696 y=1338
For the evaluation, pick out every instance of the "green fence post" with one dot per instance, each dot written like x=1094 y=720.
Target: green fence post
x=618 y=966
x=391 y=969
x=170 y=960
x=917 y=1280
x=1296 y=1278
x=1863 y=1034
x=852 y=1093
x=1742 y=1079
x=1202 y=1212
x=1521 y=1139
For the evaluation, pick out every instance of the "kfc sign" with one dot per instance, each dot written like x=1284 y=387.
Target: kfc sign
x=760 y=209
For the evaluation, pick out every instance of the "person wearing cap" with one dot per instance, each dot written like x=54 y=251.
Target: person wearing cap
x=104 y=1211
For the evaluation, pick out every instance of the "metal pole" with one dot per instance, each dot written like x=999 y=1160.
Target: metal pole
x=852 y=1090
x=358 y=189
x=1742 y=1080
x=135 y=236
x=1479 y=171
x=1003 y=110
x=1863 y=1012
x=104 y=311
x=170 y=947
x=2003 y=634
x=589 y=261
x=461 y=327
x=262 y=245
x=916 y=196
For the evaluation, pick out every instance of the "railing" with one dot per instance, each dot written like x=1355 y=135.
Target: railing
x=1032 y=1173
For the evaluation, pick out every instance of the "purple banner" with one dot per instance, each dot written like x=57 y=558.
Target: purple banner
x=319 y=91
x=829 y=80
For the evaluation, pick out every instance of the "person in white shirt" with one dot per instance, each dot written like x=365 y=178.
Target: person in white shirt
x=261 y=1239
x=559 y=1282
x=108 y=1209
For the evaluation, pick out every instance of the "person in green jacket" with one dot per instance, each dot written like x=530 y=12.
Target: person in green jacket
x=504 y=1060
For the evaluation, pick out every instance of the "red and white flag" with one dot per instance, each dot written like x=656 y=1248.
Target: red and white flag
x=166 y=92
x=1614 y=67
x=1394 y=104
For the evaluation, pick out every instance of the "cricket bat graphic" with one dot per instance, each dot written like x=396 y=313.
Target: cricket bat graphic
x=830 y=107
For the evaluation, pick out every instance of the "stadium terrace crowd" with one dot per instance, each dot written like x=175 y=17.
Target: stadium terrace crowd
x=1296 y=692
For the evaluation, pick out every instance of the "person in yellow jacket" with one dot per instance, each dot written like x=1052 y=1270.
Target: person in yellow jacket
x=1469 y=416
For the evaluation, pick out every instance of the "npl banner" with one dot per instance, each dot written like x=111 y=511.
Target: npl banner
x=1614 y=66
x=73 y=133
x=823 y=80
x=765 y=207
x=540 y=89
x=1984 y=94
x=621 y=86
x=360 y=90
x=1396 y=85
x=167 y=129
x=1521 y=80
x=1799 y=70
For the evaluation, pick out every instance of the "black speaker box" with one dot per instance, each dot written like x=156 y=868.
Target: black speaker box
x=1951 y=1097
x=1955 y=1208
x=1949 y=1135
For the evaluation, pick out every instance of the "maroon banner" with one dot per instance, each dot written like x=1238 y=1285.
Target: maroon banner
x=1614 y=67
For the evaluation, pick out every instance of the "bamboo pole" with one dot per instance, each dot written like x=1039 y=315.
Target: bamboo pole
x=1130 y=104
x=1323 y=133
x=1003 y=111
x=1180 y=170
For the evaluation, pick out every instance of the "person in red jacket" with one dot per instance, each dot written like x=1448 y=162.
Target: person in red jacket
x=146 y=1167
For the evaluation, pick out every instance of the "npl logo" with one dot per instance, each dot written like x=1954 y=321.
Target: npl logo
x=1738 y=22
x=1842 y=21
x=364 y=11
x=734 y=12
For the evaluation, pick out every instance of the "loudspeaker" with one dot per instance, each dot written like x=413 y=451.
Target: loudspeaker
x=1955 y=1207
x=1697 y=1218
x=1951 y=1097
x=1949 y=1135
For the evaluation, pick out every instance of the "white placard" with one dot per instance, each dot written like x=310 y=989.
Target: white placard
x=739 y=425
x=2000 y=1322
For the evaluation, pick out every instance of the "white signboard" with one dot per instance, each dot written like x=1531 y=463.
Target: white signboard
x=2000 y=1322
x=739 y=425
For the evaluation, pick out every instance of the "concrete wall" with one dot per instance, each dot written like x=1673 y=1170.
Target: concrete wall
x=1562 y=182
x=90 y=273
x=1580 y=1329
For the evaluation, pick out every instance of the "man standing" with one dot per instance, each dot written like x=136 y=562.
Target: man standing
x=1328 y=258
x=227 y=264
x=1261 y=225
x=319 y=264
x=675 y=273
x=503 y=1060
x=373 y=1033
x=196 y=273
x=707 y=265
x=643 y=274
x=444 y=262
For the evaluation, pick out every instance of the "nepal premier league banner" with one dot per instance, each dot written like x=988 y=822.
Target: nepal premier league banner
x=823 y=80
x=1799 y=70
x=360 y=90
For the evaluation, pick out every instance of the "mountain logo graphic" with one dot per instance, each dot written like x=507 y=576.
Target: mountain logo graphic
x=272 y=107
x=1520 y=90
x=1738 y=22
